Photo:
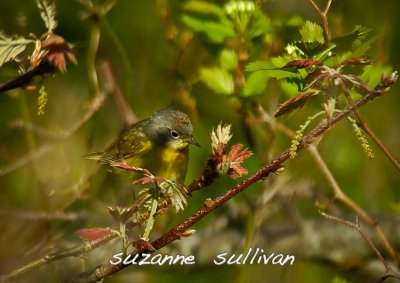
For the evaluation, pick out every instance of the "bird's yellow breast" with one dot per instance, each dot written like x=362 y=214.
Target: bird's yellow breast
x=167 y=162
x=174 y=163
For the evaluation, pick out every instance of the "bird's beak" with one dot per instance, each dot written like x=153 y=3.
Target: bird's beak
x=193 y=141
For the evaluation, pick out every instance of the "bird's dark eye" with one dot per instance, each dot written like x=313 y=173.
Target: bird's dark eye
x=174 y=134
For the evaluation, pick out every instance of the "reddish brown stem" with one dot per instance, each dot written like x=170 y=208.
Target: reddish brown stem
x=26 y=78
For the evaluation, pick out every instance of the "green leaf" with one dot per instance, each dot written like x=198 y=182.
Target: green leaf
x=259 y=65
x=339 y=280
x=272 y=69
x=48 y=13
x=308 y=49
x=228 y=59
x=203 y=8
x=260 y=24
x=312 y=32
x=256 y=83
x=294 y=21
x=218 y=79
x=363 y=48
x=373 y=74
x=11 y=48
x=289 y=87
x=280 y=62
x=216 y=30
x=352 y=40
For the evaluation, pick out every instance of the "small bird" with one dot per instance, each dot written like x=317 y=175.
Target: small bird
x=158 y=144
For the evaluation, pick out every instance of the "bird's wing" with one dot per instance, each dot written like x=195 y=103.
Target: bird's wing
x=133 y=142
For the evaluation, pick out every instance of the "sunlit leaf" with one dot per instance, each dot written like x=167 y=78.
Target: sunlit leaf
x=309 y=48
x=280 y=61
x=256 y=83
x=48 y=13
x=216 y=30
x=311 y=32
x=203 y=7
x=218 y=79
x=220 y=138
x=228 y=59
x=372 y=74
x=259 y=65
x=260 y=24
x=11 y=48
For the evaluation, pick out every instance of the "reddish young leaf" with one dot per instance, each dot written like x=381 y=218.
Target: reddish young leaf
x=143 y=245
x=303 y=63
x=57 y=48
x=315 y=76
x=235 y=157
x=356 y=61
x=92 y=234
x=295 y=102
x=162 y=211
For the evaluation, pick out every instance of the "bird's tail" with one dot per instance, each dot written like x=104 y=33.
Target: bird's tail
x=94 y=156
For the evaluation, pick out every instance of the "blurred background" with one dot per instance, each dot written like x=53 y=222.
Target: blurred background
x=48 y=191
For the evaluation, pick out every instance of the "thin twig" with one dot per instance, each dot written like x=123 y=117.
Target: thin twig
x=389 y=271
x=74 y=251
x=343 y=198
x=364 y=126
x=123 y=106
x=47 y=216
x=324 y=17
x=106 y=270
x=96 y=104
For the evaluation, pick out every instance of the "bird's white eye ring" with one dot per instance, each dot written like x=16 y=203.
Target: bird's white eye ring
x=174 y=134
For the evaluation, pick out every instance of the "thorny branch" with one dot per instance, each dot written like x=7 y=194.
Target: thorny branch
x=176 y=233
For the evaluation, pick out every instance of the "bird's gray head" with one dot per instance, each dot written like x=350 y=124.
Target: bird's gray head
x=170 y=127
